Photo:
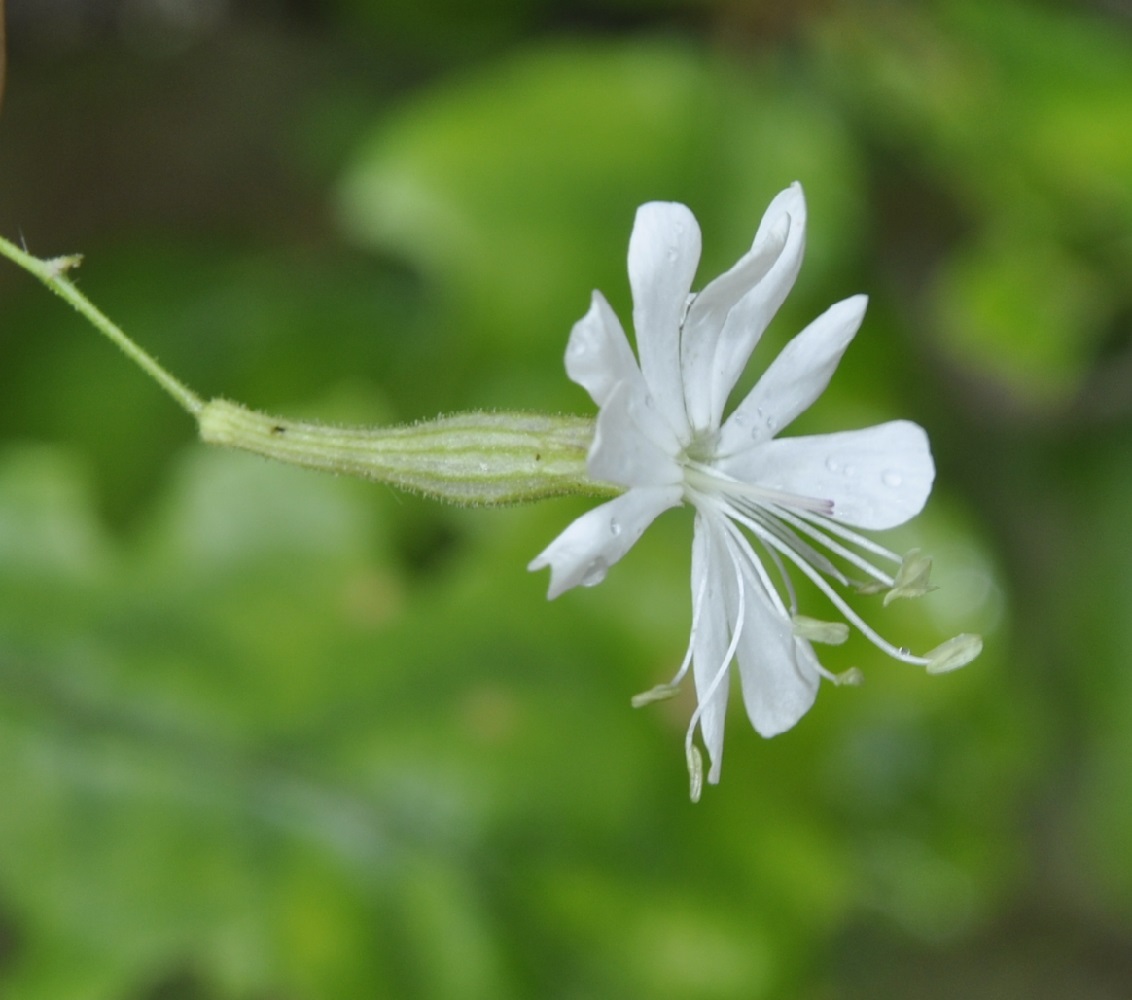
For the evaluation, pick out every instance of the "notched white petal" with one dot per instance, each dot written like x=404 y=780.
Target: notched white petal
x=598 y=355
x=707 y=316
x=583 y=553
x=713 y=573
x=633 y=445
x=664 y=251
x=797 y=377
x=751 y=315
x=778 y=672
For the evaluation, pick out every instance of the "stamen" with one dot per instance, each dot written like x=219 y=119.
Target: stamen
x=710 y=480
x=768 y=517
x=904 y=655
x=664 y=691
x=720 y=674
x=756 y=565
x=854 y=538
x=955 y=653
x=830 y=633
x=912 y=577
x=837 y=548
x=695 y=770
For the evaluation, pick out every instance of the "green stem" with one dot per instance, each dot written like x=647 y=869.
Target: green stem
x=471 y=459
x=53 y=273
x=467 y=458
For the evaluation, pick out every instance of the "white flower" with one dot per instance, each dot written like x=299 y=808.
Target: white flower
x=661 y=434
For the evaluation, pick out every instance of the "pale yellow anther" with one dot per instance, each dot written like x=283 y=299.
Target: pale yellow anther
x=912 y=579
x=955 y=653
x=815 y=630
x=695 y=771
x=662 y=692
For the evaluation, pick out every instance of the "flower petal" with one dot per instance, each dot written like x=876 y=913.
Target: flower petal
x=751 y=315
x=777 y=670
x=664 y=250
x=876 y=478
x=583 y=553
x=795 y=378
x=633 y=445
x=708 y=311
x=713 y=570
x=598 y=355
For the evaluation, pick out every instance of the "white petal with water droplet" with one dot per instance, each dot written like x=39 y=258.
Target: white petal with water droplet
x=583 y=553
x=848 y=468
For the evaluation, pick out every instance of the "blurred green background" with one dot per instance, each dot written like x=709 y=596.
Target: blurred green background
x=266 y=735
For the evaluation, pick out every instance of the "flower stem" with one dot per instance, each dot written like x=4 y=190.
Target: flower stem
x=53 y=273
x=468 y=458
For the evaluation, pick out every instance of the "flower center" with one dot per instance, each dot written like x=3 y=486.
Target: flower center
x=703 y=478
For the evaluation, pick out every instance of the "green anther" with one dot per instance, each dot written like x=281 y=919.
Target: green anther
x=830 y=633
x=955 y=653
x=662 y=692
x=695 y=772
x=849 y=678
x=912 y=579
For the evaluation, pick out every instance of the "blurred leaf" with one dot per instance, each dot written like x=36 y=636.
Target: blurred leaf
x=1020 y=310
x=513 y=190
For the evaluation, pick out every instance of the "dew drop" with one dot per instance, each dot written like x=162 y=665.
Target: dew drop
x=614 y=527
x=772 y=424
x=673 y=254
x=832 y=464
x=850 y=470
x=595 y=573
x=892 y=479
x=483 y=466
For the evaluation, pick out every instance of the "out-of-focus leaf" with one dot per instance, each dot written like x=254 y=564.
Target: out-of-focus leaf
x=1015 y=112
x=1022 y=311
x=513 y=190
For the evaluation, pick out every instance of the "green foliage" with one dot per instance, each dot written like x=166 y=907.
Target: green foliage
x=267 y=734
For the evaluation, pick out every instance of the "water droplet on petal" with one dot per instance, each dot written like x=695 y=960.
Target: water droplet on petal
x=772 y=424
x=673 y=254
x=595 y=573
x=614 y=526
x=650 y=403
x=833 y=465
x=892 y=479
x=850 y=470
x=483 y=466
